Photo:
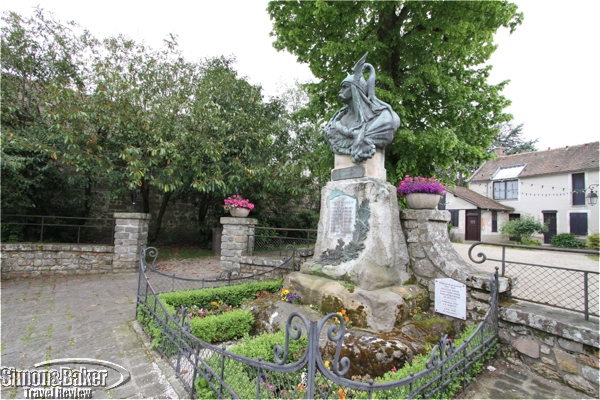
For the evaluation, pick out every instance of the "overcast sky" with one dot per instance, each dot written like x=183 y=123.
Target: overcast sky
x=550 y=59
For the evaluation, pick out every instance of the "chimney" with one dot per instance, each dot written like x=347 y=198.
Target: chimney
x=499 y=151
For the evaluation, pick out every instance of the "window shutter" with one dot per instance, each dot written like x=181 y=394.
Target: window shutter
x=579 y=223
x=578 y=189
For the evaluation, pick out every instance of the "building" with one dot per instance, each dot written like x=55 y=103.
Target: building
x=474 y=217
x=552 y=185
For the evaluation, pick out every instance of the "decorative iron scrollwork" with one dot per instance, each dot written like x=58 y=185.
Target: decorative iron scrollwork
x=335 y=333
x=292 y=330
x=183 y=317
x=480 y=255
x=441 y=351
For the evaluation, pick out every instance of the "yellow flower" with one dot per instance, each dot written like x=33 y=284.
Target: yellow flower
x=284 y=292
x=327 y=364
x=214 y=303
x=424 y=313
x=300 y=387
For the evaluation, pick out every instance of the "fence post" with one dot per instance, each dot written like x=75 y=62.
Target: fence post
x=131 y=234
x=237 y=241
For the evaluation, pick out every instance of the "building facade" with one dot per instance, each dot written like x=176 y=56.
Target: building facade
x=554 y=186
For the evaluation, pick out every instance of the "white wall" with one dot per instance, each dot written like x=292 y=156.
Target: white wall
x=536 y=194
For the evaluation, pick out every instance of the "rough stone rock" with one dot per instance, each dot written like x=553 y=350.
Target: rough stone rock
x=379 y=310
x=548 y=361
x=570 y=345
x=383 y=261
x=588 y=360
x=527 y=346
x=546 y=371
x=566 y=362
x=591 y=374
x=545 y=349
x=579 y=383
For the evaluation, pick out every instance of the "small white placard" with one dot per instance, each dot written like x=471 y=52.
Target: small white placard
x=451 y=298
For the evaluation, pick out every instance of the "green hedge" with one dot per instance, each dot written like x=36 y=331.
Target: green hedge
x=567 y=241
x=593 y=241
x=214 y=328
x=231 y=295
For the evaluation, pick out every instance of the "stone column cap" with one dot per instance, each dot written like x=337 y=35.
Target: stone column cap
x=238 y=221
x=130 y=215
x=425 y=215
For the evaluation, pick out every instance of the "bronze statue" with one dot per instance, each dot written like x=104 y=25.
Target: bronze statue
x=366 y=123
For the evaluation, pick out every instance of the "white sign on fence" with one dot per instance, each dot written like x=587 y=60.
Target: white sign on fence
x=451 y=298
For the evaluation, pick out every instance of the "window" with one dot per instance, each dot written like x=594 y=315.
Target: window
x=506 y=190
x=494 y=221
x=578 y=223
x=454 y=217
x=578 y=189
x=508 y=172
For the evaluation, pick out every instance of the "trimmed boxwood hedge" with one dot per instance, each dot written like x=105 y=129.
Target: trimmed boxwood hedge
x=214 y=328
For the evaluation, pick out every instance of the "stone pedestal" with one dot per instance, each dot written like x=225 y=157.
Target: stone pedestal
x=236 y=241
x=131 y=234
x=360 y=240
x=374 y=167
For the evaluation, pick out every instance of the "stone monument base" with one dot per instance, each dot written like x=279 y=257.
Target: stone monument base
x=360 y=240
x=379 y=310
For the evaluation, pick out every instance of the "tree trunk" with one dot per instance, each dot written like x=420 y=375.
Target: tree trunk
x=204 y=203
x=146 y=196
x=161 y=213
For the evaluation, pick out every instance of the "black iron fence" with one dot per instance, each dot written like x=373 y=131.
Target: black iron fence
x=557 y=286
x=223 y=374
x=274 y=241
x=56 y=229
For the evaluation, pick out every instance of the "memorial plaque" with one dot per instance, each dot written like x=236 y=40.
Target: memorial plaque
x=358 y=171
x=451 y=298
x=342 y=214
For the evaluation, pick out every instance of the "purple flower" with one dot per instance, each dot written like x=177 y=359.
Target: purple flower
x=419 y=184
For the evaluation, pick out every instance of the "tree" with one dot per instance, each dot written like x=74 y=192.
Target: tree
x=429 y=58
x=511 y=138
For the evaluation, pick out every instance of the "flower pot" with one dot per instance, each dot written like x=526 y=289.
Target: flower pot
x=239 y=212
x=422 y=201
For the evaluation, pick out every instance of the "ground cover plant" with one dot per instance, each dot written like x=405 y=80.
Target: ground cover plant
x=567 y=241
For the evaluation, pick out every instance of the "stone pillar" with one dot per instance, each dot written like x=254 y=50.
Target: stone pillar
x=131 y=233
x=237 y=241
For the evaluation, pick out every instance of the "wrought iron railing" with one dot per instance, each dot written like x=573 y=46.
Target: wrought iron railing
x=570 y=289
x=275 y=240
x=58 y=229
x=228 y=375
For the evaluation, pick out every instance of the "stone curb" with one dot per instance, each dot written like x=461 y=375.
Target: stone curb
x=166 y=371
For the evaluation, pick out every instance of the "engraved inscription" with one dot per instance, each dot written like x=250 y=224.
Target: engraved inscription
x=342 y=214
x=451 y=298
x=357 y=171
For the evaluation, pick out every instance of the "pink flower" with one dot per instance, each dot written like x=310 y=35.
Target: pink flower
x=394 y=369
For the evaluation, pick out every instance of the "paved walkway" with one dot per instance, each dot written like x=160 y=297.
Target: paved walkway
x=85 y=317
x=91 y=316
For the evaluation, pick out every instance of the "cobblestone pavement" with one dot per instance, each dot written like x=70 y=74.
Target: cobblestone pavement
x=84 y=317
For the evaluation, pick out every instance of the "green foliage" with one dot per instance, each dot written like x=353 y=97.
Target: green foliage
x=567 y=241
x=80 y=113
x=523 y=229
x=232 y=295
x=511 y=138
x=593 y=241
x=218 y=328
x=431 y=67
x=263 y=345
x=177 y=252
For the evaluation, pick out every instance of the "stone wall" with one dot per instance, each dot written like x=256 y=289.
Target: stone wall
x=22 y=260
x=432 y=256
x=35 y=259
x=235 y=238
x=556 y=344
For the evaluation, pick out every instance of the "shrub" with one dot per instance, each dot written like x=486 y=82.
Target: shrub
x=593 y=241
x=263 y=345
x=523 y=229
x=567 y=241
x=218 y=328
x=232 y=295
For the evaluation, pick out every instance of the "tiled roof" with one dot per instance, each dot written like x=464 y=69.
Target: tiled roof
x=477 y=199
x=547 y=162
